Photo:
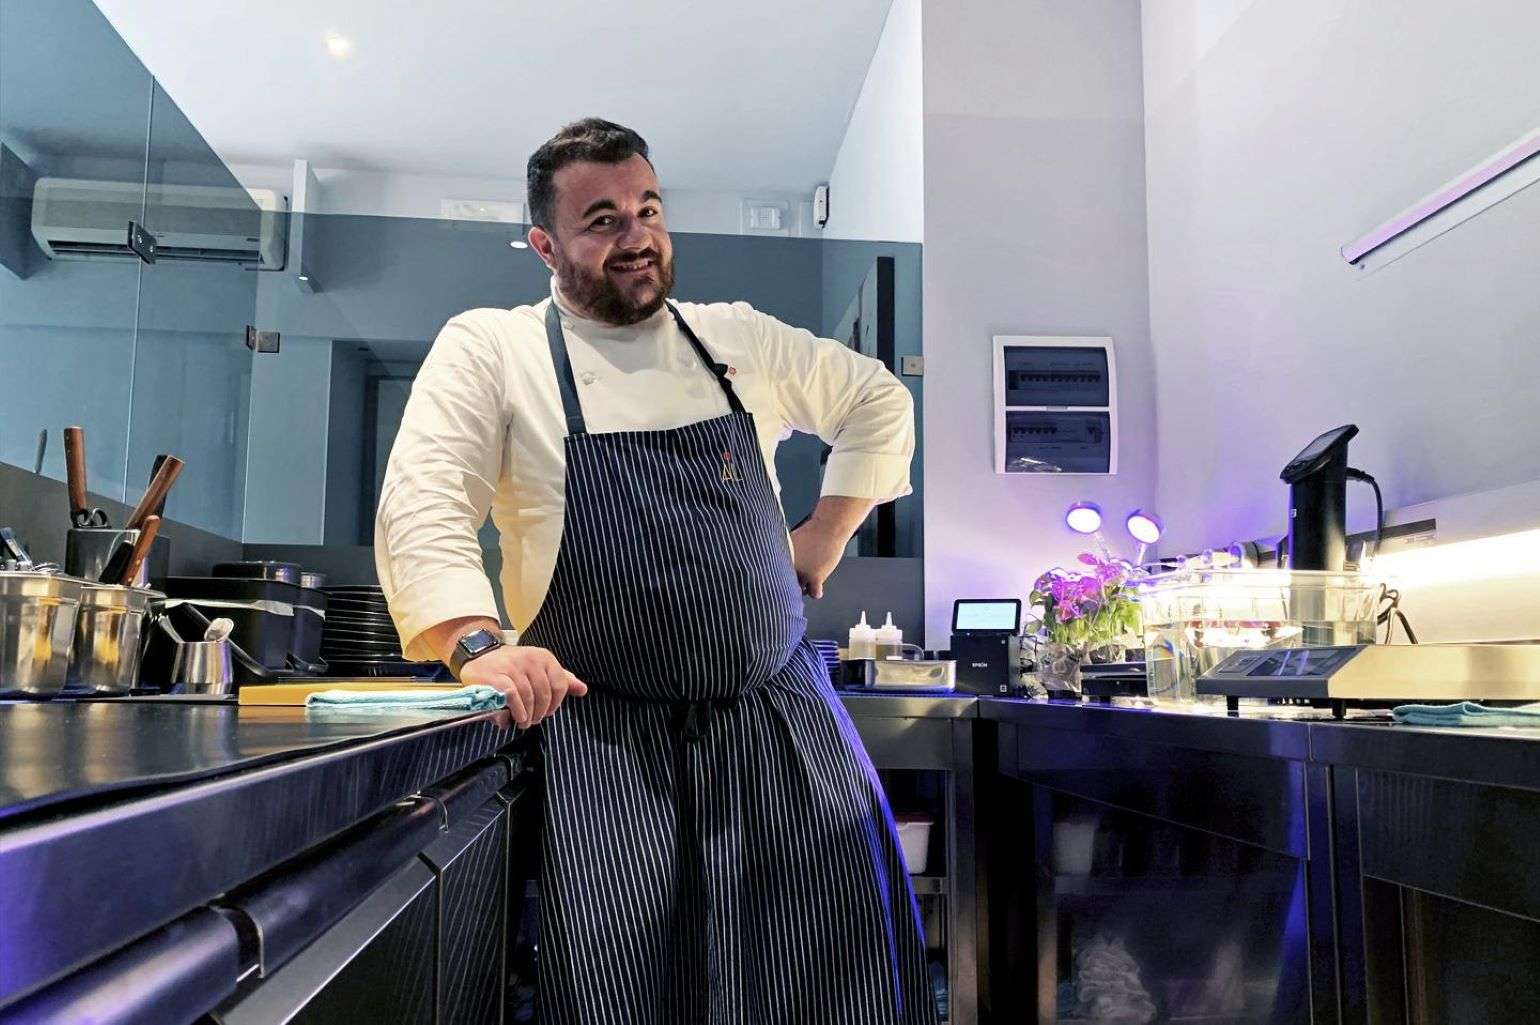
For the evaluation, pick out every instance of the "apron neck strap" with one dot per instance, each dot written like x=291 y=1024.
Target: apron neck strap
x=718 y=370
x=567 y=384
x=564 y=380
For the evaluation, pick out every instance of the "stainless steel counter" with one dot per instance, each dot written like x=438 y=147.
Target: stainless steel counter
x=934 y=733
x=116 y=817
x=1503 y=756
x=889 y=705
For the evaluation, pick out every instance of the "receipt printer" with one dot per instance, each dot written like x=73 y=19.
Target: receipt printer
x=985 y=644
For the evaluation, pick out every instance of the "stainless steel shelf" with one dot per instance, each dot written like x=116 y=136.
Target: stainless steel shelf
x=925 y=885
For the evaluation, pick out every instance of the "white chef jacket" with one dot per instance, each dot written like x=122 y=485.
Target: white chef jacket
x=483 y=430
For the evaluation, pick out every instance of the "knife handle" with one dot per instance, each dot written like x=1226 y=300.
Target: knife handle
x=141 y=549
x=155 y=493
x=160 y=507
x=75 y=466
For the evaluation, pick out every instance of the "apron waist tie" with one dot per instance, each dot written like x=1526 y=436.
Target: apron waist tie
x=692 y=718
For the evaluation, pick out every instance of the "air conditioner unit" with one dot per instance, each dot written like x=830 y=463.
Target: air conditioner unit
x=75 y=219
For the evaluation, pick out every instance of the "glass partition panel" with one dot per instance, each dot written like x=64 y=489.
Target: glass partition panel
x=192 y=369
x=74 y=105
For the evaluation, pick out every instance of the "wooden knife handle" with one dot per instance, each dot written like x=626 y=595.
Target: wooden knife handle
x=141 y=549
x=155 y=493
x=75 y=466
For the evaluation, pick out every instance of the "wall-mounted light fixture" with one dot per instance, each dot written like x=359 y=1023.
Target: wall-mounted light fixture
x=1456 y=201
x=1083 y=517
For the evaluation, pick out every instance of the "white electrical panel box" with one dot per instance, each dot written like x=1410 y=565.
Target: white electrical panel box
x=1056 y=405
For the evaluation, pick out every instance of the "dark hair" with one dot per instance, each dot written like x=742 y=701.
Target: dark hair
x=593 y=139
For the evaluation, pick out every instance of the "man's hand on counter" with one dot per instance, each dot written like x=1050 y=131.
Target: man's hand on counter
x=533 y=681
x=531 y=678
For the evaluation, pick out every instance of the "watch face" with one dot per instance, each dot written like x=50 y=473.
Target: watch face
x=479 y=642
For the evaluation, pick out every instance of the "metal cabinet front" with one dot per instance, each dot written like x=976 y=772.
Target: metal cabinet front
x=1441 y=899
x=1162 y=882
x=471 y=865
x=377 y=964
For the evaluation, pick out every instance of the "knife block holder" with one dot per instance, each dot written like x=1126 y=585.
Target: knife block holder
x=87 y=549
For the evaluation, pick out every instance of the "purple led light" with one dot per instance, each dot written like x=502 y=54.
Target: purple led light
x=1145 y=528
x=1083 y=517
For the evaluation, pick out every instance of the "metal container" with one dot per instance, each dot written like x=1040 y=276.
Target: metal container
x=87 y=549
x=109 y=628
x=911 y=674
x=204 y=667
x=37 y=624
x=265 y=569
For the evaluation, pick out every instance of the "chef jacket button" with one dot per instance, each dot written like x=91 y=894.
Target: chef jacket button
x=588 y=378
x=567 y=324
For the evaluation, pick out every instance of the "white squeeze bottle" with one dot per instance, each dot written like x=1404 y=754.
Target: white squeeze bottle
x=890 y=640
x=863 y=640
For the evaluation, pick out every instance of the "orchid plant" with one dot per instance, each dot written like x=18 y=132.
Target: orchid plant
x=1091 y=608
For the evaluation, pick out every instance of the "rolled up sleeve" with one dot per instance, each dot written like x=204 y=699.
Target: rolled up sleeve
x=439 y=483
x=853 y=402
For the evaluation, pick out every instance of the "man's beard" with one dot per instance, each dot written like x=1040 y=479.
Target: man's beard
x=600 y=297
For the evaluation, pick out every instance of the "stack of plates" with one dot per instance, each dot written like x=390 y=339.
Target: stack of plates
x=829 y=651
x=360 y=639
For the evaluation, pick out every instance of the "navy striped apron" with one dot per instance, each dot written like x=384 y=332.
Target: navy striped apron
x=718 y=850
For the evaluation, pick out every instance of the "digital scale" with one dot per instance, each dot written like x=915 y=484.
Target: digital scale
x=1380 y=675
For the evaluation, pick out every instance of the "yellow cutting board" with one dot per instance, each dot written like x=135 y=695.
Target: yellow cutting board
x=296 y=693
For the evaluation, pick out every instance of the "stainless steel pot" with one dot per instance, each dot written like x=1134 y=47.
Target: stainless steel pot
x=37 y=625
x=108 y=633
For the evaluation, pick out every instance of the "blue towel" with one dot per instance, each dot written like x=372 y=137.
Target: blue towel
x=463 y=699
x=1467 y=713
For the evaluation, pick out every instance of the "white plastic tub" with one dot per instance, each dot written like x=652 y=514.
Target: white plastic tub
x=914 y=838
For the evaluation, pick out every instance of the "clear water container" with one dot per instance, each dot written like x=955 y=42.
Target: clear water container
x=1194 y=619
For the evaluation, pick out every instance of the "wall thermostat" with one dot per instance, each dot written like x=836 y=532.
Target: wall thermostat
x=1055 y=405
x=821 y=205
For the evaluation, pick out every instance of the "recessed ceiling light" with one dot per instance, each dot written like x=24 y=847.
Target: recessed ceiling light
x=519 y=244
x=339 y=47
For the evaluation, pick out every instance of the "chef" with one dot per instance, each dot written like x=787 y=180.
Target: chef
x=717 y=847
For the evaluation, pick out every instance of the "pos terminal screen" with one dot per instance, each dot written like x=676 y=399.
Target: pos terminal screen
x=1001 y=615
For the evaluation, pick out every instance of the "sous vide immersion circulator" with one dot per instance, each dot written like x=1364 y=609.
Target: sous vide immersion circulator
x=1317 y=480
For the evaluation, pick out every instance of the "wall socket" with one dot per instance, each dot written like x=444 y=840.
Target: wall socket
x=912 y=366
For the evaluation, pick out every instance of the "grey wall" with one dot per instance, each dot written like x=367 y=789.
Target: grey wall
x=1278 y=130
x=286 y=463
x=1034 y=224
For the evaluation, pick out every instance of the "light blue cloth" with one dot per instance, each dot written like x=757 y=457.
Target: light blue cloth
x=463 y=699
x=1467 y=713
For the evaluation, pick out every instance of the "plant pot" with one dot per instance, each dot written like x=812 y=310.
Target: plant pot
x=1058 y=669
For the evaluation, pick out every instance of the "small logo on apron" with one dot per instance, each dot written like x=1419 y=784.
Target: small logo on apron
x=729 y=469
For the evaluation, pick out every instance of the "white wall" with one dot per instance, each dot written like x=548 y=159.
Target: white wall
x=878 y=182
x=1034 y=224
x=1277 y=131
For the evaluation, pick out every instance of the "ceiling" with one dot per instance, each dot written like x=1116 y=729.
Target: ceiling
x=730 y=95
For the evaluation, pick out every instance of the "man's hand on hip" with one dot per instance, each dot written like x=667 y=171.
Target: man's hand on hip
x=816 y=546
x=531 y=678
